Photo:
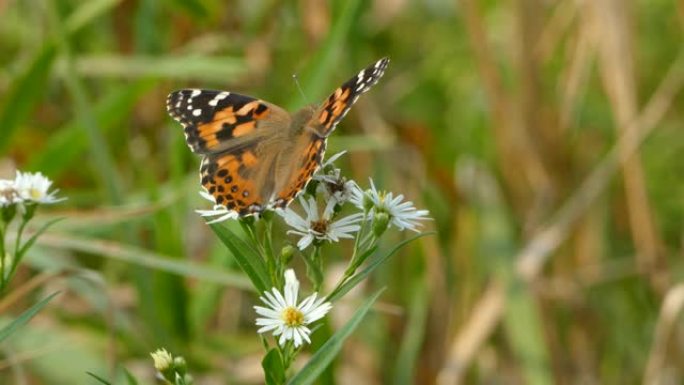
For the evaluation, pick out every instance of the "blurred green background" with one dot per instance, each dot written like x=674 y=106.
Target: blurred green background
x=556 y=259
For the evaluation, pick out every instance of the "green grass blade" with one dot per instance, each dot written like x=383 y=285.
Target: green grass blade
x=327 y=353
x=98 y=378
x=142 y=257
x=373 y=264
x=326 y=60
x=24 y=93
x=27 y=245
x=247 y=258
x=24 y=317
x=86 y=13
x=68 y=143
x=204 y=68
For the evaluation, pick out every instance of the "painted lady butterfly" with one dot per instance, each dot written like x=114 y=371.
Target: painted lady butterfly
x=256 y=155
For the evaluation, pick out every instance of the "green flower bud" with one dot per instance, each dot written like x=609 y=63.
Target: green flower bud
x=368 y=203
x=180 y=365
x=287 y=253
x=8 y=212
x=380 y=223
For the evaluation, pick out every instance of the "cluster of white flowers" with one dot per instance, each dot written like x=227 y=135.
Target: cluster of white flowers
x=27 y=188
x=283 y=315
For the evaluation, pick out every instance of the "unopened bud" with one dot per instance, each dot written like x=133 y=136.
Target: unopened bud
x=287 y=253
x=380 y=223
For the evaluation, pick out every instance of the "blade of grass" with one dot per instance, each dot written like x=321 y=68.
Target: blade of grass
x=327 y=353
x=142 y=257
x=24 y=94
x=103 y=162
x=327 y=58
x=24 y=318
x=68 y=143
x=373 y=264
x=203 y=68
x=247 y=258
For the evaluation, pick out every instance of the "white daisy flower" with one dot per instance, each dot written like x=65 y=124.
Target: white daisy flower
x=319 y=227
x=403 y=215
x=287 y=319
x=219 y=211
x=8 y=194
x=35 y=188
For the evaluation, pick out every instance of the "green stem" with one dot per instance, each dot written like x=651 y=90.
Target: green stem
x=2 y=258
x=271 y=260
x=17 y=242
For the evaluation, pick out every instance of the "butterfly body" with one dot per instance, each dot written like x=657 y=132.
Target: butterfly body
x=255 y=154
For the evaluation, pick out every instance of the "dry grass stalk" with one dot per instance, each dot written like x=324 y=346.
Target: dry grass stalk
x=665 y=328
x=613 y=32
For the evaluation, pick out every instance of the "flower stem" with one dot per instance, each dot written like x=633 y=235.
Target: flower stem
x=2 y=258
x=17 y=243
x=272 y=262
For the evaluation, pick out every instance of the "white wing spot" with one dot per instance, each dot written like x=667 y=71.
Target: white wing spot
x=195 y=93
x=213 y=102
x=197 y=112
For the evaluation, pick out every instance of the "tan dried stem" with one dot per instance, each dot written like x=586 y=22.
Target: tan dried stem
x=612 y=29
x=664 y=330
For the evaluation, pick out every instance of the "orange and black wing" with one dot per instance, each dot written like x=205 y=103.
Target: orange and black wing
x=214 y=120
x=336 y=106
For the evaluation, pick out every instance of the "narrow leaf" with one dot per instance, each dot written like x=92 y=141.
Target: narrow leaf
x=27 y=245
x=373 y=264
x=23 y=94
x=324 y=356
x=98 y=378
x=24 y=317
x=249 y=260
x=274 y=370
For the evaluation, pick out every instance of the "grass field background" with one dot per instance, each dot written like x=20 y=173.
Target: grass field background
x=545 y=137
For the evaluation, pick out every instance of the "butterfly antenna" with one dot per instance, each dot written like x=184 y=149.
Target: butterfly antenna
x=299 y=87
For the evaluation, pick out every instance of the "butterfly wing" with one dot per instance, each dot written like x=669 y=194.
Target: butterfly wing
x=311 y=142
x=336 y=106
x=229 y=130
x=218 y=121
x=305 y=159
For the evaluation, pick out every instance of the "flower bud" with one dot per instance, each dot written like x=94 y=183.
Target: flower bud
x=162 y=360
x=286 y=254
x=380 y=223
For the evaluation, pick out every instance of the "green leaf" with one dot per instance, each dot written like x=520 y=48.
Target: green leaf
x=327 y=59
x=324 y=356
x=130 y=379
x=274 y=370
x=249 y=259
x=24 y=318
x=373 y=264
x=143 y=257
x=27 y=245
x=24 y=93
x=98 y=378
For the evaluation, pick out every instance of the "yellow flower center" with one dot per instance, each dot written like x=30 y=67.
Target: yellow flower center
x=35 y=194
x=292 y=316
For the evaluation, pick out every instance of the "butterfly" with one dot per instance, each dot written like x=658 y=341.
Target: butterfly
x=255 y=155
